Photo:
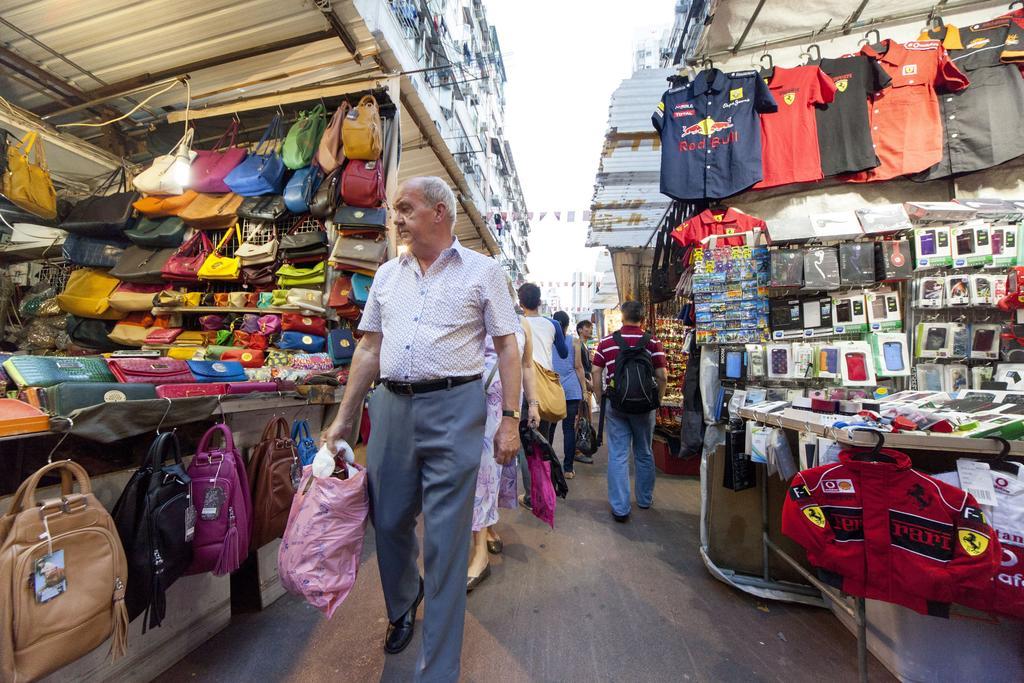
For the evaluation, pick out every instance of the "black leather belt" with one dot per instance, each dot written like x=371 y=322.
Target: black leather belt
x=410 y=388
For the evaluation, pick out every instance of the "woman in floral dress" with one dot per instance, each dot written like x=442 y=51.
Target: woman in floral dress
x=490 y=479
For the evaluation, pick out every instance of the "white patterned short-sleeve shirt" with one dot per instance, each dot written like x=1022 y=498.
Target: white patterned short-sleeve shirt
x=433 y=324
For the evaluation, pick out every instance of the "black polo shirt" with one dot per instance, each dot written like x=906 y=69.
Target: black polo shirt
x=982 y=124
x=844 y=129
x=711 y=134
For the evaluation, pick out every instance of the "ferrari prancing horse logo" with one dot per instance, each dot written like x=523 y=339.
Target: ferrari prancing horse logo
x=789 y=98
x=842 y=84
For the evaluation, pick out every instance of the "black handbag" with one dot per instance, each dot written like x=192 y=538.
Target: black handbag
x=93 y=252
x=325 y=199
x=355 y=218
x=666 y=271
x=102 y=214
x=92 y=333
x=263 y=208
x=303 y=241
x=260 y=276
x=158 y=232
x=142 y=265
x=155 y=519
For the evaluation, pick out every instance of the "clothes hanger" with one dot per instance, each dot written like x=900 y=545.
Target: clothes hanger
x=1001 y=462
x=161 y=423
x=875 y=454
x=67 y=433
x=1017 y=2
x=866 y=40
x=811 y=56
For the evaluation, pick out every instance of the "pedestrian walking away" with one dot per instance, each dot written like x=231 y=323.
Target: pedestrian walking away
x=570 y=374
x=424 y=326
x=633 y=375
x=584 y=332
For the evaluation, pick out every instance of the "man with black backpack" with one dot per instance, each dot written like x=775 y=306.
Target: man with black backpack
x=632 y=377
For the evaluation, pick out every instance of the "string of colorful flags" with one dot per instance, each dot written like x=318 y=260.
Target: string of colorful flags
x=560 y=216
x=583 y=282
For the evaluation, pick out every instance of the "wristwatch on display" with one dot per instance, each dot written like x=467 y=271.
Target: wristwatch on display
x=510 y=413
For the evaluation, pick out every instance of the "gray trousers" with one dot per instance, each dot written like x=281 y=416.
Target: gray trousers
x=423 y=455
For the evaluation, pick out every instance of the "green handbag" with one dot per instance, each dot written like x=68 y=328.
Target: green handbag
x=224 y=337
x=216 y=352
x=158 y=232
x=304 y=137
x=279 y=297
x=293 y=276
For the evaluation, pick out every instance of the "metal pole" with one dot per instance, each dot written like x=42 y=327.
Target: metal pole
x=862 y=642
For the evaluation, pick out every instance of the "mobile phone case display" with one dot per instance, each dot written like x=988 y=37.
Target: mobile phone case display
x=730 y=294
x=855 y=364
x=932 y=247
x=883 y=310
x=821 y=268
x=849 y=314
x=891 y=354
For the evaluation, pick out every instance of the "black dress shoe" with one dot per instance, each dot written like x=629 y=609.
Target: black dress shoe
x=495 y=547
x=621 y=519
x=400 y=632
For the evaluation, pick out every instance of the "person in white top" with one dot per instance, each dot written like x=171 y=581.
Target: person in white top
x=548 y=337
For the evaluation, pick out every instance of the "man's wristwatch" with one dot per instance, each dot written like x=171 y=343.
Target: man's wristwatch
x=510 y=413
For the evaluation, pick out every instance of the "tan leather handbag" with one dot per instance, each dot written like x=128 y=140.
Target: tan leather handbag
x=212 y=211
x=361 y=131
x=330 y=154
x=63 y=574
x=26 y=184
x=549 y=393
x=270 y=476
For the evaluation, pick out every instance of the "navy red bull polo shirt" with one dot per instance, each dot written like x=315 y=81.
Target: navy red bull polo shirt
x=711 y=134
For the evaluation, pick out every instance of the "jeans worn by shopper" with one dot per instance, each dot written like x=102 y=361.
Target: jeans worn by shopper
x=626 y=432
x=569 y=434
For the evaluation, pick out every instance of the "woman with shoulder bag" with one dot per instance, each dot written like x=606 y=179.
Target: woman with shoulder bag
x=495 y=484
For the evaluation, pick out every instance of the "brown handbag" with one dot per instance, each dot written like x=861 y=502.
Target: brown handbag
x=270 y=475
x=212 y=211
x=330 y=154
x=63 y=574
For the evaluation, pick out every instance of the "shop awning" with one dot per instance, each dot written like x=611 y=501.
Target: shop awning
x=86 y=62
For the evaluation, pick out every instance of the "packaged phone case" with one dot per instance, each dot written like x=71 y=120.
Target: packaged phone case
x=756 y=368
x=826 y=361
x=1004 y=240
x=785 y=315
x=985 y=341
x=933 y=340
x=932 y=247
x=780 y=361
x=955 y=377
x=982 y=291
x=891 y=355
x=931 y=292
x=855 y=364
x=961 y=340
x=849 y=314
x=732 y=364
x=958 y=290
x=884 y=313
x=803 y=360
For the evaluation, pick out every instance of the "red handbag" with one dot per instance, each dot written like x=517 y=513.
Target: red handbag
x=159 y=335
x=249 y=340
x=249 y=358
x=184 y=265
x=190 y=390
x=304 y=323
x=362 y=184
x=341 y=292
x=150 y=370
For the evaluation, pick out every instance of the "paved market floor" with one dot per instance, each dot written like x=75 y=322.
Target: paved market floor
x=590 y=601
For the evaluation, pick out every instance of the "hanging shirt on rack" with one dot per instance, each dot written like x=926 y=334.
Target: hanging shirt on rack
x=905 y=122
x=789 y=137
x=982 y=123
x=717 y=222
x=844 y=131
x=711 y=134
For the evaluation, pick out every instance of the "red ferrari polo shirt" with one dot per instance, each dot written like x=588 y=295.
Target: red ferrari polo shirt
x=789 y=137
x=717 y=222
x=906 y=126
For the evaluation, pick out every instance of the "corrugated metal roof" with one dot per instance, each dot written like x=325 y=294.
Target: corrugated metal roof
x=627 y=203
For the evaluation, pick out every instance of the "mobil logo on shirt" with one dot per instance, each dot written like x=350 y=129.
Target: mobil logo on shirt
x=707 y=128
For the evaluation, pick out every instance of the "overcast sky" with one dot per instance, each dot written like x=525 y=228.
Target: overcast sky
x=564 y=58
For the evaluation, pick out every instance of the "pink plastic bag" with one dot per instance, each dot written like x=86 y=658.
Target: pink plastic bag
x=323 y=542
x=542 y=491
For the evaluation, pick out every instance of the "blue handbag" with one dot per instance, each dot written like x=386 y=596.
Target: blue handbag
x=260 y=173
x=300 y=341
x=217 y=371
x=341 y=345
x=305 y=446
x=361 y=288
x=299 y=191
x=94 y=252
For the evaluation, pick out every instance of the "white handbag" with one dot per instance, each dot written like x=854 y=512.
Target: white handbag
x=255 y=254
x=307 y=299
x=162 y=177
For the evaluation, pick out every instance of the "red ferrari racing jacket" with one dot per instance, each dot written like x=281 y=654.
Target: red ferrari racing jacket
x=892 y=533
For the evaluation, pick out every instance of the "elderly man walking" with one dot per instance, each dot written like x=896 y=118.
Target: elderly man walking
x=424 y=323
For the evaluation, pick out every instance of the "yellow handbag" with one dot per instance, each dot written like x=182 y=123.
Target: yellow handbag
x=26 y=184
x=190 y=338
x=185 y=352
x=549 y=393
x=361 y=132
x=87 y=295
x=217 y=267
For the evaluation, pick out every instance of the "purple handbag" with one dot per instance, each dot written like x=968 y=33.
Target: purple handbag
x=220 y=490
x=250 y=323
x=269 y=324
x=210 y=167
x=252 y=387
x=212 y=322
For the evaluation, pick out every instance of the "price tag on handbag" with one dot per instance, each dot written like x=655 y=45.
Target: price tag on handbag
x=213 y=500
x=190 y=521
x=296 y=473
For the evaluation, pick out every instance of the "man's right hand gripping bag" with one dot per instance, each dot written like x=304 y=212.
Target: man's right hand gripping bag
x=63 y=573
x=319 y=556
